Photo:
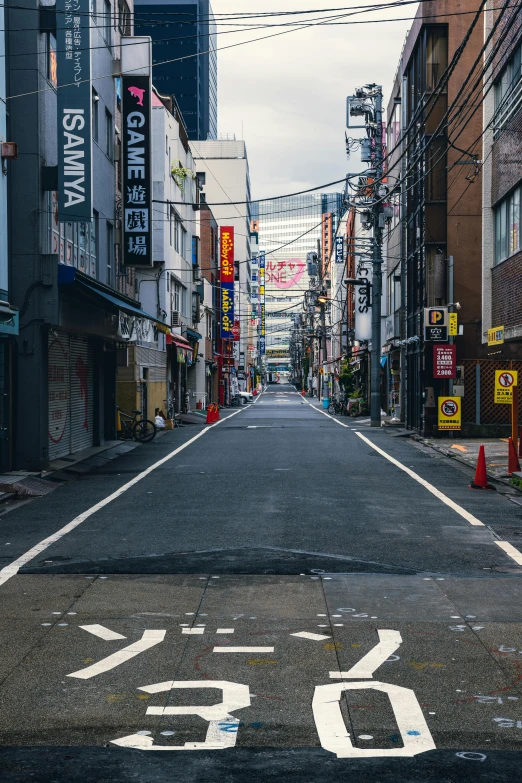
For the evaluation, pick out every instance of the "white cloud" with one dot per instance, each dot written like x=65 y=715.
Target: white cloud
x=288 y=93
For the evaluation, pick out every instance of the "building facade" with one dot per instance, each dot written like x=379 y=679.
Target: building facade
x=184 y=46
x=433 y=237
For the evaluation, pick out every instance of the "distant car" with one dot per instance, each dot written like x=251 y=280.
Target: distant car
x=246 y=397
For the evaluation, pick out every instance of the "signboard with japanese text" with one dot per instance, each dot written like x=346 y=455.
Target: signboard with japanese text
x=136 y=171
x=71 y=73
x=339 y=250
x=444 y=361
x=453 y=324
x=496 y=335
x=227 y=254
x=284 y=274
x=226 y=276
x=436 y=323
x=236 y=330
x=262 y=278
x=504 y=382
x=450 y=414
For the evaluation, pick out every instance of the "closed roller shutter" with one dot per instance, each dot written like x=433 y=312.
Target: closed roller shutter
x=81 y=394
x=58 y=380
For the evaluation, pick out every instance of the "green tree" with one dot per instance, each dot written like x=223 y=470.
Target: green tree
x=346 y=381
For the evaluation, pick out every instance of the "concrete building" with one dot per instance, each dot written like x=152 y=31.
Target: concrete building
x=501 y=210
x=223 y=174
x=433 y=243
x=66 y=277
x=187 y=28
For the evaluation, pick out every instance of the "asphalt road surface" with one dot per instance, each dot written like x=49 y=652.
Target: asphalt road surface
x=282 y=594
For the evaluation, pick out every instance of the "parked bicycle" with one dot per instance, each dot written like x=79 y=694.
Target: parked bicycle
x=132 y=428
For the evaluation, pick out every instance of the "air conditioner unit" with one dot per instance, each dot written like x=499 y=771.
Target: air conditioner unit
x=175 y=318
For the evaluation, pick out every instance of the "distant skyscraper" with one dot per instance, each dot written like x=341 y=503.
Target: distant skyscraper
x=179 y=29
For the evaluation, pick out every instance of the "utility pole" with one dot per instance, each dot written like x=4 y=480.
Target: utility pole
x=367 y=103
x=378 y=225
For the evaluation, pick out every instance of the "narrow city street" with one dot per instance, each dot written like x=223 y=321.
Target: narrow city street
x=282 y=593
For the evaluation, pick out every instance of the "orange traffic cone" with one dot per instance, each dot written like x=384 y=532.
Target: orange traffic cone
x=209 y=413
x=481 y=477
x=513 y=463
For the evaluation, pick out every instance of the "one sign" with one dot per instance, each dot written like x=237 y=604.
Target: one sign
x=363 y=307
x=496 y=335
x=449 y=413
x=436 y=323
x=339 y=250
x=136 y=171
x=236 y=331
x=227 y=311
x=227 y=254
x=444 y=361
x=453 y=324
x=504 y=382
x=73 y=71
x=227 y=282
x=262 y=342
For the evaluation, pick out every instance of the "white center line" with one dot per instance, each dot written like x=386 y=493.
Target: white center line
x=12 y=569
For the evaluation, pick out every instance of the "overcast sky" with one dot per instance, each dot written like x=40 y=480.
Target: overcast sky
x=288 y=93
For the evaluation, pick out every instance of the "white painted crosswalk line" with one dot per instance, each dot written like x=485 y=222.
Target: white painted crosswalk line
x=102 y=632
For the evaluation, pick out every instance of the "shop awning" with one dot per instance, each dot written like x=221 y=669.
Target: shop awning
x=179 y=341
x=193 y=335
x=69 y=275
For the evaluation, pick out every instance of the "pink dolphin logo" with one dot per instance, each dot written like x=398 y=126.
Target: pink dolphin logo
x=137 y=93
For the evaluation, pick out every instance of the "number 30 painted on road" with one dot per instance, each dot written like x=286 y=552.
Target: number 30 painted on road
x=223 y=726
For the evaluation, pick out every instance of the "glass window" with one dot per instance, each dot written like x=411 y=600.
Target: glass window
x=52 y=73
x=508 y=90
x=107 y=21
x=436 y=56
x=95 y=110
x=123 y=18
x=108 y=134
x=514 y=222
x=110 y=253
x=507 y=226
x=94 y=242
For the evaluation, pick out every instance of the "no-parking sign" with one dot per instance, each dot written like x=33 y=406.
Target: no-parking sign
x=449 y=413
x=504 y=382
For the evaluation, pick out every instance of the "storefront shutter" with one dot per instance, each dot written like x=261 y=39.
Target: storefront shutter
x=58 y=390
x=81 y=394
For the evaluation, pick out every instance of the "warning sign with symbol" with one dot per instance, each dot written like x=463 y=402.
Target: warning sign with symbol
x=504 y=382
x=449 y=413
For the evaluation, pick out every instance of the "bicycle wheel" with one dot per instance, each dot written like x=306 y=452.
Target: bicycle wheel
x=144 y=431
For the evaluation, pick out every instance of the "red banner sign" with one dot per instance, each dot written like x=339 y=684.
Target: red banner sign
x=227 y=254
x=444 y=361
x=236 y=331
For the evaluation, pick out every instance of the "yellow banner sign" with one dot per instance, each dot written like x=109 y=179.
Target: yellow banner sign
x=450 y=414
x=504 y=382
x=453 y=325
x=496 y=335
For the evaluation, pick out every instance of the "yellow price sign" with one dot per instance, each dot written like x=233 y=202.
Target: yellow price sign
x=505 y=380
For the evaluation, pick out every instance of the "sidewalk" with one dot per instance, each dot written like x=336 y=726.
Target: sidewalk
x=466 y=451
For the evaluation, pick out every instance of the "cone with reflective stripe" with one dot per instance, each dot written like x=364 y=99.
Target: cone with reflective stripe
x=513 y=463
x=481 y=477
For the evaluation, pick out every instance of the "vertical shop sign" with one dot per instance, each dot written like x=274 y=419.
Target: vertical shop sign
x=227 y=282
x=339 y=250
x=71 y=70
x=136 y=170
x=262 y=341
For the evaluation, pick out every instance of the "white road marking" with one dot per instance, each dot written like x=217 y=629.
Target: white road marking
x=192 y=631
x=243 y=649
x=510 y=550
x=315 y=637
x=222 y=726
x=416 y=736
x=225 y=630
x=426 y=484
x=102 y=632
x=148 y=640
x=389 y=642
x=12 y=569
